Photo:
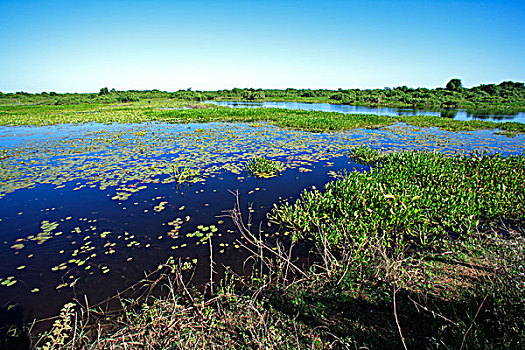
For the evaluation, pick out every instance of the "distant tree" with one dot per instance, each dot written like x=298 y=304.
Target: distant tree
x=454 y=85
x=308 y=94
x=510 y=85
x=259 y=95
x=103 y=91
x=127 y=97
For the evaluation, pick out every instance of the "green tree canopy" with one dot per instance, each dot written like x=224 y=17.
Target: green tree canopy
x=454 y=85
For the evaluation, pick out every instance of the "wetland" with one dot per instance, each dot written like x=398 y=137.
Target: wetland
x=94 y=196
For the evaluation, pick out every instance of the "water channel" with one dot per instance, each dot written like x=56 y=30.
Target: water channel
x=386 y=111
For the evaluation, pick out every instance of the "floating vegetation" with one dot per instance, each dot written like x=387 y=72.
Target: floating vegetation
x=17 y=246
x=176 y=225
x=185 y=174
x=102 y=170
x=365 y=155
x=160 y=207
x=262 y=167
x=88 y=160
x=8 y=281
x=203 y=233
x=38 y=115
x=121 y=196
x=47 y=232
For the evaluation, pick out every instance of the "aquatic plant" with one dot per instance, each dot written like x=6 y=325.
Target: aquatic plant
x=185 y=174
x=412 y=198
x=365 y=155
x=262 y=167
x=303 y=120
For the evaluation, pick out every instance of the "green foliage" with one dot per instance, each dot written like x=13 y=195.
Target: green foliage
x=184 y=174
x=412 y=198
x=425 y=227
x=126 y=97
x=365 y=155
x=262 y=167
x=138 y=112
x=505 y=98
x=62 y=330
x=454 y=85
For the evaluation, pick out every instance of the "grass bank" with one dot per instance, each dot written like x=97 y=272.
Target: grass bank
x=424 y=251
x=167 y=111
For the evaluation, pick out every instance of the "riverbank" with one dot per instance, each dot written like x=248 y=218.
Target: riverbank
x=425 y=251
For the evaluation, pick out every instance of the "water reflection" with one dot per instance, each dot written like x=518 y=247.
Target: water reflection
x=448 y=114
x=387 y=111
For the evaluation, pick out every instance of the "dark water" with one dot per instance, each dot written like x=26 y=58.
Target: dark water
x=85 y=210
x=387 y=111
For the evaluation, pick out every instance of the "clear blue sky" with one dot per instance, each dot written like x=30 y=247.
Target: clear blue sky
x=81 y=46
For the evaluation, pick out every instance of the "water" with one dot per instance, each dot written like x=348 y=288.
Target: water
x=387 y=111
x=86 y=209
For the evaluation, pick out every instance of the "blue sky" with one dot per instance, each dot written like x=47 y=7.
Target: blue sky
x=81 y=46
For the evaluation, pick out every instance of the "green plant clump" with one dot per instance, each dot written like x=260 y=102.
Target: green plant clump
x=431 y=245
x=365 y=155
x=262 y=167
x=413 y=198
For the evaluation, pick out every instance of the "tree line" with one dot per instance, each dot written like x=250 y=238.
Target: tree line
x=505 y=95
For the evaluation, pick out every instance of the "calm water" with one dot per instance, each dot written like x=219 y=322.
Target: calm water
x=392 y=112
x=86 y=209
